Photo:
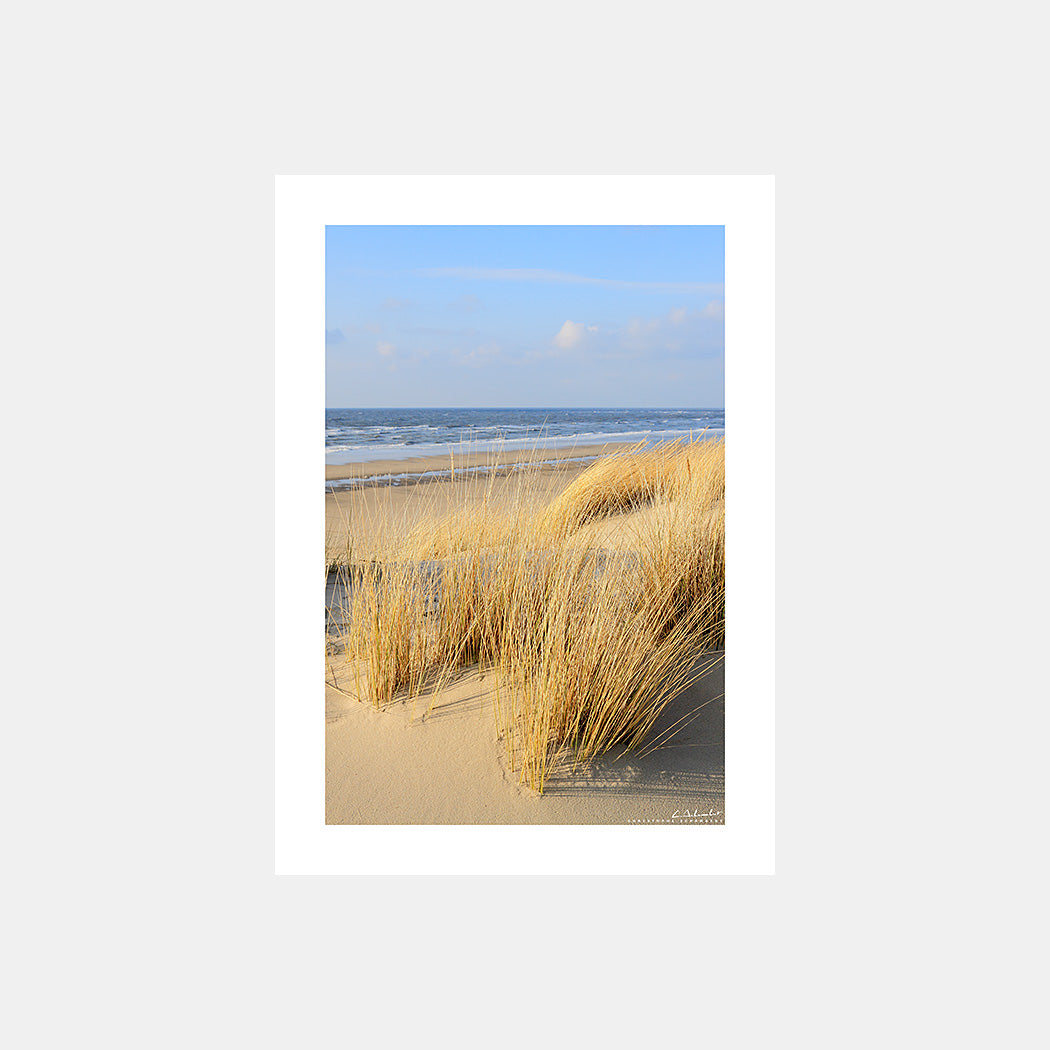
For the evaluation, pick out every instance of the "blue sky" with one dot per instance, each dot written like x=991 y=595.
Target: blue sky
x=523 y=316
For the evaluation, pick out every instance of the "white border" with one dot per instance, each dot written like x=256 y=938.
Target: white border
x=744 y=204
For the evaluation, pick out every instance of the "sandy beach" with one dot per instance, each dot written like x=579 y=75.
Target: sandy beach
x=438 y=759
x=400 y=766
x=417 y=495
x=419 y=465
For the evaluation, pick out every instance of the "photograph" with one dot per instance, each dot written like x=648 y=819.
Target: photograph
x=525 y=525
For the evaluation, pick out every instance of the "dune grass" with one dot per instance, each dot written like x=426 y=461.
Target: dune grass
x=587 y=641
x=693 y=473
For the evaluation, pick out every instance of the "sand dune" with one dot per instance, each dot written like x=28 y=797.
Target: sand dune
x=440 y=758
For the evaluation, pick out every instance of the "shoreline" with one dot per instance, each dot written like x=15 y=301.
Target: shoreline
x=415 y=467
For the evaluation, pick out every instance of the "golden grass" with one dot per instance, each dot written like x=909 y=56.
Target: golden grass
x=587 y=642
x=693 y=472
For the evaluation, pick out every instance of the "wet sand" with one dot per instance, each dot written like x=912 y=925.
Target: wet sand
x=417 y=465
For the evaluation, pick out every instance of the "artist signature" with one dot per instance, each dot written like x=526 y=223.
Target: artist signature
x=696 y=814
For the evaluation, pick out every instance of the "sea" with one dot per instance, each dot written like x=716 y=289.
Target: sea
x=357 y=435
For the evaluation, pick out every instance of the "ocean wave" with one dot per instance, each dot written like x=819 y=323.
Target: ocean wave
x=347 y=453
x=373 y=433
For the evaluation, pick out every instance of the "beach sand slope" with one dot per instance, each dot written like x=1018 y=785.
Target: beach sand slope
x=402 y=766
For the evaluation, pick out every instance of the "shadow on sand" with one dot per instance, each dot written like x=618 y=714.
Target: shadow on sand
x=689 y=765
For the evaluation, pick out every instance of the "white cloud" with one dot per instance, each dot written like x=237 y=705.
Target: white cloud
x=680 y=331
x=570 y=334
x=637 y=326
x=385 y=349
x=481 y=355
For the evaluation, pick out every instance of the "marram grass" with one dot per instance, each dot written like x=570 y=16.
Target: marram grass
x=587 y=642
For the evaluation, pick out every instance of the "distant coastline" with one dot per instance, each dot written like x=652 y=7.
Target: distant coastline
x=364 y=435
